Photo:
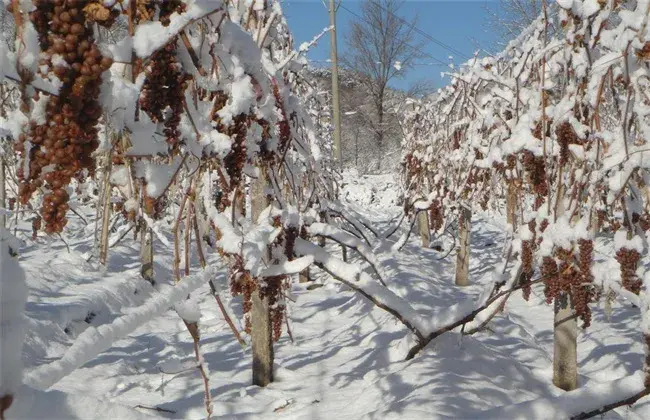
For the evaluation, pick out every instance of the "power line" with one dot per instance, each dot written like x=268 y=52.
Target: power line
x=426 y=35
x=408 y=45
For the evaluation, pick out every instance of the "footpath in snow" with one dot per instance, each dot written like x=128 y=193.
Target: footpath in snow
x=346 y=359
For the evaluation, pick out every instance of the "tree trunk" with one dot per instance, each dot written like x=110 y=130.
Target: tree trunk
x=565 y=340
x=261 y=327
x=146 y=253
x=423 y=228
x=380 y=127
x=462 y=259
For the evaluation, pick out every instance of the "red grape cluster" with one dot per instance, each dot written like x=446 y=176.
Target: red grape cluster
x=629 y=260
x=164 y=88
x=436 y=215
x=566 y=135
x=550 y=276
x=58 y=150
x=562 y=276
x=536 y=170
x=527 y=248
x=583 y=292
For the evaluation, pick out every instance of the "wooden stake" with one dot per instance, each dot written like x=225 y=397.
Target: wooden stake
x=423 y=228
x=261 y=327
x=462 y=259
x=565 y=345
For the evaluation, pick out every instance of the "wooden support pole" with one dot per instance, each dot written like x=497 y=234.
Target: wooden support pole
x=565 y=345
x=261 y=326
x=423 y=228
x=462 y=258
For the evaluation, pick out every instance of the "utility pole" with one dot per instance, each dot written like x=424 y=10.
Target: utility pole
x=336 y=104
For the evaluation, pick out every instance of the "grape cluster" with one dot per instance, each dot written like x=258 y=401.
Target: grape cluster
x=414 y=167
x=283 y=125
x=237 y=156
x=566 y=135
x=527 y=248
x=643 y=53
x=456 y=138
x=272 y=291
x=561 y=276
x=550 y=278
x=629 y=260
x=436 y=215
x=164 y=88
x=290 y=235
x=241 y=284
x=58 y=150
x=536 y=170
x=582 y=292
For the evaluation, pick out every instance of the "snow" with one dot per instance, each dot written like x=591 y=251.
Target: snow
x=216 y=142
x=288 y=267
x=13 y=323
x=98 y=341
x=570 y=403
x=344 y=348
x=157 y=176
x=151 y=36
x=621 y=241
x=33 y=404
x=93 y=341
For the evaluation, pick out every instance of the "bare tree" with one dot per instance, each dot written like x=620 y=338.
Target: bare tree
x=380 y=48
x=512 y=16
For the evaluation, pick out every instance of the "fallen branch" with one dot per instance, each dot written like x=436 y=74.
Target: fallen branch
x=159 y=409
x=464 y=320
x=628 y=401
x=361 y=282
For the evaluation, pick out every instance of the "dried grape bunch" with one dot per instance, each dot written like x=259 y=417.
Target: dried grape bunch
x=550 y=276
x=242 y=284
x=566 y=135
x=527 y=248
x=65 y=143
x=163 y=94
x=456 y=138
x=237 y=157
x=167 y=8
x=629 y=260
x=272 y=290
x=436 y=215
x=290 y=236
x=583 y=292
x=283 y=125
x=535 y=168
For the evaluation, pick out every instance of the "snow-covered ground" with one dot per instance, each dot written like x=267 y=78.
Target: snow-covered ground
x=346 y=358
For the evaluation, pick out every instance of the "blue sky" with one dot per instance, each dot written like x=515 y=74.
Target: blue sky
x=460 y=24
